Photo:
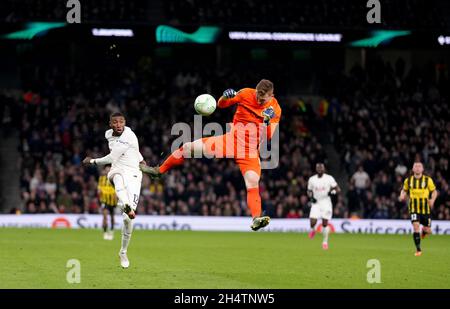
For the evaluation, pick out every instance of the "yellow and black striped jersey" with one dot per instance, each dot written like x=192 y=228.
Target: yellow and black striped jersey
x=419 y=190
x=107 y=192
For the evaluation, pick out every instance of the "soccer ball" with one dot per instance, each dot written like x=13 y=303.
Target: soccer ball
x=205 y=104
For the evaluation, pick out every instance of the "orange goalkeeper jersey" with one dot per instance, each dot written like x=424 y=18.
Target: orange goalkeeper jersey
x=248 y=109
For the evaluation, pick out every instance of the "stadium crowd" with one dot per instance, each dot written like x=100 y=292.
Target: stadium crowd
x=385 y=119
x=61 y=124
x=382 y=125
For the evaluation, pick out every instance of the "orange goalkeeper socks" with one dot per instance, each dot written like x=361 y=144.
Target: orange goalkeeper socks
x=176 y=158
x=254 y=202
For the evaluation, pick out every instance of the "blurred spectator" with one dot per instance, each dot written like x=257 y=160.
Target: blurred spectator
x=388 y=120
x=361 y=180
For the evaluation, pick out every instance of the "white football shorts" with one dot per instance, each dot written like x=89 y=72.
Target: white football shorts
x=132 y=181
x=323 y=209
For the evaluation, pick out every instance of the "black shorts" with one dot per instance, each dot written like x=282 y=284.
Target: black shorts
x=108 y=208
x=425 y=220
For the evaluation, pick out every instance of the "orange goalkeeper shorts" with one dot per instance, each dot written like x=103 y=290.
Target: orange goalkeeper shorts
x=229 y=146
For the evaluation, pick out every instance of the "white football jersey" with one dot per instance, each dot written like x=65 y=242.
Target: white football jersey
x=124 y=149
x=321 y=186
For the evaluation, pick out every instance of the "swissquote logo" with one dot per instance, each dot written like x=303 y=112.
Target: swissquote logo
x=61 y=222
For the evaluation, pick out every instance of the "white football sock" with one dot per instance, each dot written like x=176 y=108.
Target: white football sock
x=325 y=232
x=121 y=191
x=127 y=229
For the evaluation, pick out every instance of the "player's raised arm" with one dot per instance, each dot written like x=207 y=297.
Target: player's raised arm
x=99 y=161
x=228 y=98
x=118 y=149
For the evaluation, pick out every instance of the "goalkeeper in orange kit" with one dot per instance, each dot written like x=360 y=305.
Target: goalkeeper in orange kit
x=257 y=114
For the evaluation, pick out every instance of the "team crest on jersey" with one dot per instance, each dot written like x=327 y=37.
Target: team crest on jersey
x=423 y=184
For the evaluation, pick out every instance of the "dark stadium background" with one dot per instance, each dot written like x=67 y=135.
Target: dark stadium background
x=377 y=108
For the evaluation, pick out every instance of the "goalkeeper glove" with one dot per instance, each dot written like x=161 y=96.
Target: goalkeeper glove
x=312 y=200
x=268 y=114
x=229 y=93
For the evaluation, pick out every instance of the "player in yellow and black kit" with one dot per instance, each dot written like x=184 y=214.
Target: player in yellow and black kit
x=108 y=200
x=422 y=195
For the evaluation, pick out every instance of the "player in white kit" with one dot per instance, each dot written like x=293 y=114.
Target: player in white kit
x=125 y=174
x=320 y=187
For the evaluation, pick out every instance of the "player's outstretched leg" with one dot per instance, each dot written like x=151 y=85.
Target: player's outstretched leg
x=152 y=171
x=175 y=159
x=325 y=232
x=127 y=229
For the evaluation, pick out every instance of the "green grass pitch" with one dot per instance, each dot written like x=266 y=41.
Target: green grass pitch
x=36 y=258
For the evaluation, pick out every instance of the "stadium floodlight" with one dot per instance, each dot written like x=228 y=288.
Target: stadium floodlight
x=33 y=29
x=379 y=37
x=203 y=35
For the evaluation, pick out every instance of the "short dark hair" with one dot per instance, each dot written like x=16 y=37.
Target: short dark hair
x=116 y=114
x=265 y=85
